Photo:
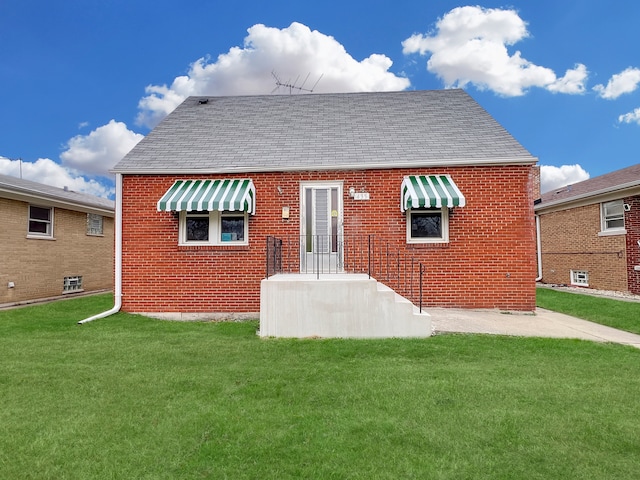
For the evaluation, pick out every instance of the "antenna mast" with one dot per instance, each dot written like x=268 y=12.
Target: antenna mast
x=293 y=86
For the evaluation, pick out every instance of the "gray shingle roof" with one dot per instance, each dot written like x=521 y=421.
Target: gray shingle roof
x=621 y=181
x=323 y=131
x=26 y=190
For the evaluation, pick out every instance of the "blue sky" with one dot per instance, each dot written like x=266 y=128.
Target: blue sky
x=82 y=81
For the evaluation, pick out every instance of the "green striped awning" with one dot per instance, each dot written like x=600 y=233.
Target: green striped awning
x=430 y=191
x=237 y=195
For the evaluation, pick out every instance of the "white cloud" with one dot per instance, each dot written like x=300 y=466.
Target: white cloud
x=246 y=70
x=630 y=117
x=51 y=173
x=555 y=177
x=162 y=100
x=101 y=149
x=624 y=82
x=85 y=156
x=573 y=81
x=470 y=44
x=293 y=53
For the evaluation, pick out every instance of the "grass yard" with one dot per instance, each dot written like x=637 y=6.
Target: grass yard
x=131 y=397
x=606 y=311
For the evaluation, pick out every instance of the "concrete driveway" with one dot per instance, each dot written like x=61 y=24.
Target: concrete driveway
x=543 y=323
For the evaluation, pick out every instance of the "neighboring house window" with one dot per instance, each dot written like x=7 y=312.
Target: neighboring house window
x=580 y=278
x=612 y=214
x=40 y=221
x=94 y=224
x=213 y=228
x=428 y=225
x=72 y=284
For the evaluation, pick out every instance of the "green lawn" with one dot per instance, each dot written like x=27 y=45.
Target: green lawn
x=129 y=397
x=606 y=311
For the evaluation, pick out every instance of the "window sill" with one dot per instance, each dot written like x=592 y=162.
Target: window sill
x=95 y=234
x=431 y=241
x=608 y=233
x=421 y=245
x=69 y=292
x=39 y=237
x=211 y=247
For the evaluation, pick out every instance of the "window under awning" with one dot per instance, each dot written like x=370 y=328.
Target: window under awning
x=237 y=195
x=430 y=191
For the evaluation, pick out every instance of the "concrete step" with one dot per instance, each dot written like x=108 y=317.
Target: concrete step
x=346 y=306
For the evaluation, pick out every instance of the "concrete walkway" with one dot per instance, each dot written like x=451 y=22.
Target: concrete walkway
x=543 y=323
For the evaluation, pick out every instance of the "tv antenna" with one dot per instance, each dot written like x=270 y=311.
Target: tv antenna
x=294 y=86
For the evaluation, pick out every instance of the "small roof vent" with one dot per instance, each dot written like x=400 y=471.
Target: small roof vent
x=203 y=101
x=566 y=188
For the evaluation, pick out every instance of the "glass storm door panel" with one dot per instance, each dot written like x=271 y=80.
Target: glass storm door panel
x=320 y=243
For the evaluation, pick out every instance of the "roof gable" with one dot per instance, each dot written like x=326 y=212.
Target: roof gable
x=323 y=131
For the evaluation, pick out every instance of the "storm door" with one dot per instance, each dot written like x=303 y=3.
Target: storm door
x=321 y=235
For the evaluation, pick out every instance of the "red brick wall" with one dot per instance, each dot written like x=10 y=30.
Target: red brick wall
x=632 y=225
x=489 y=261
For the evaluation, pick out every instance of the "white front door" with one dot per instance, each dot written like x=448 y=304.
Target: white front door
x=321 y=229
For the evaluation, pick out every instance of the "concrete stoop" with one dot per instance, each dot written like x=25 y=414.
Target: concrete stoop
x=337 y=306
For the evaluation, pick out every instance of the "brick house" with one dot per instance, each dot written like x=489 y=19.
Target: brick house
x=54 y=242
x=429 y=174
x=590 y=232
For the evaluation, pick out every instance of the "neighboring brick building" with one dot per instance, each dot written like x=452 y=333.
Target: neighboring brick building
x=340 y=165
x=53 y=241
x=590 y=232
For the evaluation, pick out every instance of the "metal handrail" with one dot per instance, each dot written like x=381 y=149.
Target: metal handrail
x=331 y=254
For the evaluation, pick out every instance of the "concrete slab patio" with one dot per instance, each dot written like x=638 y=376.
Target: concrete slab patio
x=542 y=323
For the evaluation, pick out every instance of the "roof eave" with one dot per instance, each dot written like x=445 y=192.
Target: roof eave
x=54 y=201
x=465 y=162
x=629 y=188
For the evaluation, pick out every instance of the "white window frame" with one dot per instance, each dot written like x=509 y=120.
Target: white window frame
x=95 y=225
x=444 y=214
x=215 y=228
x=605 y=219
x=580 y=278
x=49 y=223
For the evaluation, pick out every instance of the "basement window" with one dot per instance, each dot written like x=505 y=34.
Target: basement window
x=580 y=278
x=72 y=284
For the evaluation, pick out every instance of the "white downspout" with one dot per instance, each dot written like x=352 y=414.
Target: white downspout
x=117 y=294
x=539 y=248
